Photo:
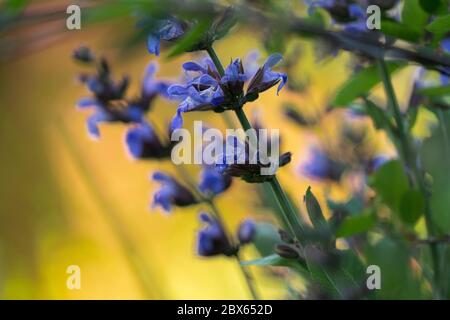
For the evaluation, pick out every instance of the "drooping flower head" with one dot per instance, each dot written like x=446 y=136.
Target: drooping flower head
x=171 y=28
x=211 y=239
x=209 y=91
x=321 y=166
x=171 y=193
x=168 y=29
x=108 y=99
x=240 y=160
x=143 y=143
x=212 y=182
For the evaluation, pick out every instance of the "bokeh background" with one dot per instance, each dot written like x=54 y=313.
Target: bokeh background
x=68 y=200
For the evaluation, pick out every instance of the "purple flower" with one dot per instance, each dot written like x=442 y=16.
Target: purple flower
x=349 y=15
x=108 y=97
x=171 y=193
x=320 y=166
x=212 y=240
x=265 y=78
x=212 y=182
x=143 y=143
x=209 y=91
x=168 y=30
x=445 y=45
x=246 y=231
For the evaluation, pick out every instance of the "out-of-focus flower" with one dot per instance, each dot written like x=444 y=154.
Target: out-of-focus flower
x=83 y=54
x=212 y=239
x=212 y=182
x=169 y=29
x=108 y=98
x=172 y=28
x=171 y=193
x=143 y=143
x=209 y=91
x=320 y=166
x=445 y=46
x=246 y=231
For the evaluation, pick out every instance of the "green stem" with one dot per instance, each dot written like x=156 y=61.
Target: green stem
x=409 y=156
x=248 y=278
x=290 y=216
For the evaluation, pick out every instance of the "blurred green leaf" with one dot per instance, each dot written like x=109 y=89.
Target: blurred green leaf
x=360 y=83
x=412 y=206
x=394 y=260
x=401 y=31
x=435 y=154
x=314 y=210
x=439 y=27
x=378 y=116
x=275 y=260
x=435 y=91
x=414 y=16
x=266 y=238
x=390 y=182
x=107 y=12
x=433 y=6
x=355 y=225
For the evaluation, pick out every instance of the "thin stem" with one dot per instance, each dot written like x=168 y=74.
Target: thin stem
x=410 y=160
x=290 y=216
x=248 y=278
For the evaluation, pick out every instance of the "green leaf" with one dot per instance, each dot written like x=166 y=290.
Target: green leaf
x=433 y=6
x=360 y=83
x=400 y=31
x=107 y=12
x=391 y=183
x=378 y=116
x=266 y=238
x=412 y=206
x=314 y=210
x=414 y=16
x=435 y=91
x=191 y=38
x=275 y=261
x=439 y=27
x=355 y=225
x=397 y=278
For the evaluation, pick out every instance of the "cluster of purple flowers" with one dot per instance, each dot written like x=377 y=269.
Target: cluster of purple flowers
x=208 y=90
x=110 y=104
x=212 y=239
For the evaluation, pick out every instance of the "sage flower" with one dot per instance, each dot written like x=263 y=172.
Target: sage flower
x=143 y=143
x=208 y=91
x=171 y=193
x=213 y=182
x=212 y=239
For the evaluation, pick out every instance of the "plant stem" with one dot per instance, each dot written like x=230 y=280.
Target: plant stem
x=290 y=215
x=248 y=278
x=409 y=156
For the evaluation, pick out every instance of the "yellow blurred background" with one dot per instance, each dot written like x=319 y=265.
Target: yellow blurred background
x=67 y=200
